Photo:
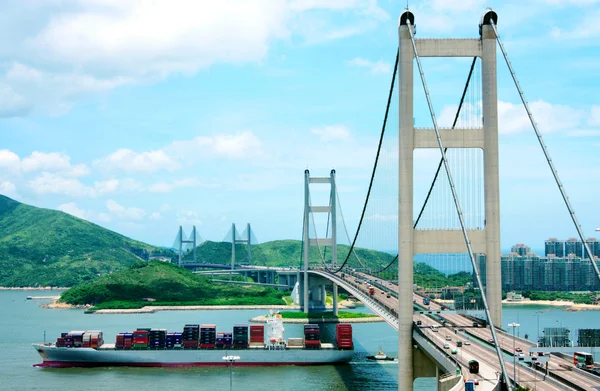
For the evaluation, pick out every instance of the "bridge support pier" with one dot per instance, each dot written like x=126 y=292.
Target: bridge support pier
x=335 y=299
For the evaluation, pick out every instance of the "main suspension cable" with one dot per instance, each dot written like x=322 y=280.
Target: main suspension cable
x=563 y=192
x=362 y=216
x=457 y=205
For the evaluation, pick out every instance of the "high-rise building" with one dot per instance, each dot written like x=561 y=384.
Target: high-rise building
x=521 y=249
x=594 y=245
x=555 y=247
x=480 y=262
x=548 y=273
x=574 y=246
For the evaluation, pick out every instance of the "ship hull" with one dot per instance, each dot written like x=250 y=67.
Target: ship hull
x=60 y=357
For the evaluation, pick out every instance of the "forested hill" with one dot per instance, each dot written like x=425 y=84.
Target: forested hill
x=43 y=247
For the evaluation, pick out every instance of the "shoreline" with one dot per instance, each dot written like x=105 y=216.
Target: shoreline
x=372 y=319
x=149 y=309
x=570 y=306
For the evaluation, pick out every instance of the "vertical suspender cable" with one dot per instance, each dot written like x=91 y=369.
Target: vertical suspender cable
x=437 y=172
x=547 y=154
x=458 y=209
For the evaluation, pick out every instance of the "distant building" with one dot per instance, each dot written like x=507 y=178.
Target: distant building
x=594 y=245
x=555 y=247
x=548 y=273
x=480 y=262
x=521 y=249
x=574 y=246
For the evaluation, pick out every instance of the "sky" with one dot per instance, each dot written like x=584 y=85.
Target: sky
x=144 y=116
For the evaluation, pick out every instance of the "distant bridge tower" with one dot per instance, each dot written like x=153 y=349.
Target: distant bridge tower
x=412 y=241
x=235 y=240
x=307 y=242
x=181 y=240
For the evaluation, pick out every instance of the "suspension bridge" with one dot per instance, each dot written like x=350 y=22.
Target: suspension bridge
x=456 y=228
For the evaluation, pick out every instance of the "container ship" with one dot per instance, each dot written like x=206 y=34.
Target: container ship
x=199 y=345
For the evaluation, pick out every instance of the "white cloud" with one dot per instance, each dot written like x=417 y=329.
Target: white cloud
x=550 y=117
x=8 y=189
x=53 y=162
x=114 y=185
x=512 y=118
x=155 y=216
x=12 y=104
x=9 y=162
x=129 y=161
x=60 y=52
x=72 y=209
x=119 y=211
x=50 y=183
x=373 y=66
x=188 y=217
x=241 y=145
x=332 y=133
x=162 y=37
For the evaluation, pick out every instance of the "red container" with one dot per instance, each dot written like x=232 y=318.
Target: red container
x=190 y=344
x=127 y=343
x=207 y=346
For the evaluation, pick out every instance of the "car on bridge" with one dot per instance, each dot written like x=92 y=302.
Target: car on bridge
x=454 y=351
x=491 y=341
x=448 y=338
x=467 y=342
x=518 y=349
x=446 y=346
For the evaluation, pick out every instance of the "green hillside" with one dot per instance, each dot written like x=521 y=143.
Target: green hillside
x=283 y=253
x=288 y=252
x=167 y=284
x=42 y=247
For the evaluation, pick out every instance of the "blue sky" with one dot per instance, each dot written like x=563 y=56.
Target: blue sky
x=143 y=117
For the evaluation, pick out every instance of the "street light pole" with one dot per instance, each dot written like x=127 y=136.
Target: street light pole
x=231 y=360
x=514 y=326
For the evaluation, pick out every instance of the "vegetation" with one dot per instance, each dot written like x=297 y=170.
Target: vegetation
x=324 y=315
x=280 y=253
x=166 y=284
x=578 y=298
x=285 y=253
x=42 y=247
x=427 y=276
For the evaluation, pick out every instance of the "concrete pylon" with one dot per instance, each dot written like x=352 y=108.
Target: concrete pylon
x=307 y=241
x=411 y=241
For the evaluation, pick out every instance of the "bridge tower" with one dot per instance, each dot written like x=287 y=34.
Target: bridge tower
x=235 y=240
x=181 y=240
x=412 y=241
x=307 y=242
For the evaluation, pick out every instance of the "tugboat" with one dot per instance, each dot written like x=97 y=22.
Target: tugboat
x=380 y=356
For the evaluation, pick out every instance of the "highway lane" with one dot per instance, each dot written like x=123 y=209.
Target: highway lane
x=489 y=365
x=556 y=365
x=582 y=380
x=485 y=356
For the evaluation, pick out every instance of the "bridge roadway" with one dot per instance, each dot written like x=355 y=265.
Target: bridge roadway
x=572 y=377
x=382 y=304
